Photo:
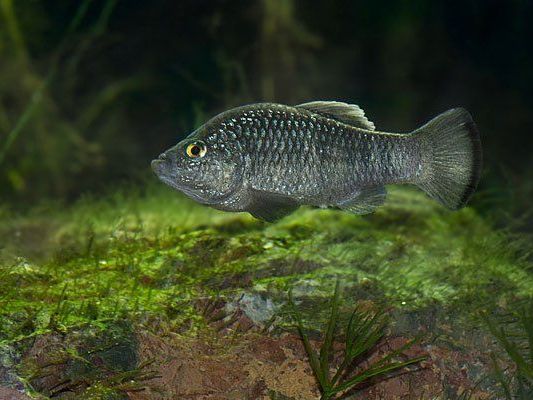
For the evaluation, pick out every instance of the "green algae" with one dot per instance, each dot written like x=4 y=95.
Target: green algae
x=103 y=268
x=138 y=254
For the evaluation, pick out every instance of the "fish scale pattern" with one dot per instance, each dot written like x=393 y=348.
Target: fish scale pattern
x=268 y=159
x=317 y=160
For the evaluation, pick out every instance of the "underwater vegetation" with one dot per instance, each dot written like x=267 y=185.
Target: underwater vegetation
x=514 y=332
x=362 y=333
x=158 y=272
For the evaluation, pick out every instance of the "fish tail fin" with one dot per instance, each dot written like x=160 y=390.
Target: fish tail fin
x=452 y=168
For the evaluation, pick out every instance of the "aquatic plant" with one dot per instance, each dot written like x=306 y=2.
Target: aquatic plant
x=130 y=252
x=516 y=338
x=38 y=96
x=364 y=331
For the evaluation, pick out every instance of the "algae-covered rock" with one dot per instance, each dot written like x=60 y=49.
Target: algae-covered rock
x=85 y=361
x=158 y=263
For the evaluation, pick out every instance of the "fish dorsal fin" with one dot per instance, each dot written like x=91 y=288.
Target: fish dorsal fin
x=350 y=114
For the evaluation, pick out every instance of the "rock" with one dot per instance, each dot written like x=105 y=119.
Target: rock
x=12 y=394
x=258 y=307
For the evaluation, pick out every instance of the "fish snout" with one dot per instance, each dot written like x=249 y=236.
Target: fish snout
x=161 y=163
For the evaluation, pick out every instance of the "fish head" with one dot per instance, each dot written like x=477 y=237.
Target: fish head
x=202 y=166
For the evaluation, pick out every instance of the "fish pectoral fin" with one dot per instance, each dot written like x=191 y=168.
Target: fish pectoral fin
x=270 y=206
x=365 y=201
x=350 y=114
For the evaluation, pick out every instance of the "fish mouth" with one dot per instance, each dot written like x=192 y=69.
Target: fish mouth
x=158 y=166
x=161 y=167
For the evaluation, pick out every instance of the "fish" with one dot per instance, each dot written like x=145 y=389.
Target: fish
x=269 y=159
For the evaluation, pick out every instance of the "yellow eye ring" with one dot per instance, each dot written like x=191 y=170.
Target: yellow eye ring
x=196 y=150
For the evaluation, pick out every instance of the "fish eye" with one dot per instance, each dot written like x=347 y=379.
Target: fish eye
x=196 y=149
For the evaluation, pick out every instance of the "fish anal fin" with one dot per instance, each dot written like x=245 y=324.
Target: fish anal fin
x=364 y=201
x=350 y=114
x=270 y=206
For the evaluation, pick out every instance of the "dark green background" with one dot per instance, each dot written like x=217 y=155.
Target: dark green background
x=133 y=77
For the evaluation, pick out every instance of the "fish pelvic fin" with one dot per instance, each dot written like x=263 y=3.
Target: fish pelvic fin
x=269 y=206
x=452 y=151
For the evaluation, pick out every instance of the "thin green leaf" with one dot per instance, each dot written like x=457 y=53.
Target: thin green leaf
x=313 y=357
x=372 y=372
x=511 y=349
x=381 y=366
x=527 y=324
x=399 y=350
x=364 y=334
x=501 y=378
x=327 y=347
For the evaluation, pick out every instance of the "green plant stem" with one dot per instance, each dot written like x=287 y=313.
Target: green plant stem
x=10 y=18
x=326 y=348
x=38 y=93
x=313 y=358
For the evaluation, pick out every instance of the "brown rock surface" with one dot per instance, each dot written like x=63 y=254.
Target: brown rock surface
x=12 y=394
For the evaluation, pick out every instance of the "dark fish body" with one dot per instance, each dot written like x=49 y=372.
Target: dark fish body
x=268 y=159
